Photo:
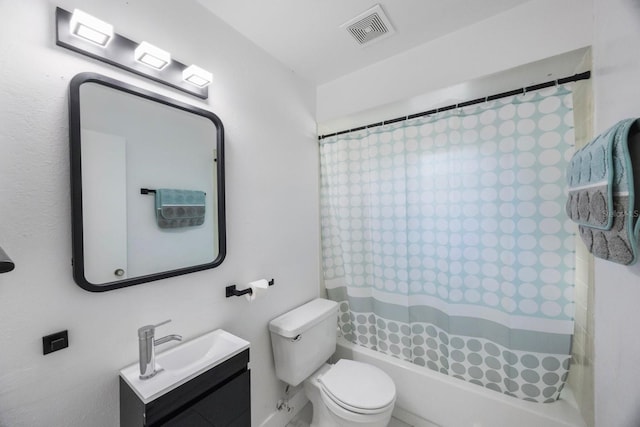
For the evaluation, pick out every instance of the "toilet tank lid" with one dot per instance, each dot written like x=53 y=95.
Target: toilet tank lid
x=298 y=320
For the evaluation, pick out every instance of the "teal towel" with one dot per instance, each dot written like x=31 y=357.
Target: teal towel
x=179 y=208
x=601 y=193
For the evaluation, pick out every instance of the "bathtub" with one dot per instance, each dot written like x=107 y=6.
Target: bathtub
x=430 y=399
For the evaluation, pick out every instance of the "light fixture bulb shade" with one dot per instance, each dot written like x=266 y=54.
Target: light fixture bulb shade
x=197 y=76
x=90 y=28
x=152 y=56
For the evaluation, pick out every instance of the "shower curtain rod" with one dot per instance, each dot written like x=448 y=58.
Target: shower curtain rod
x=576 y=77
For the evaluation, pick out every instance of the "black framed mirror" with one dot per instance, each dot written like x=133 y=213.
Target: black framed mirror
x=147 y=185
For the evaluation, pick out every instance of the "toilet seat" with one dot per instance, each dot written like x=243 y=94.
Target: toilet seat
x=358 y=387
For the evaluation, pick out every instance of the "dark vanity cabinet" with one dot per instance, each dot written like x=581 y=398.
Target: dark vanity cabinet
x=219 y=397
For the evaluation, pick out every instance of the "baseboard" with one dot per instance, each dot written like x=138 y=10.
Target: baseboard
x=282 y=418
x=412 y=419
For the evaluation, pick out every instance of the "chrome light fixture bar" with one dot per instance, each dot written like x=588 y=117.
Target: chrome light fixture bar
x=92 y=38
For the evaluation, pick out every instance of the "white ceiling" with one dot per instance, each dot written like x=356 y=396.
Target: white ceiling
x=305 y=35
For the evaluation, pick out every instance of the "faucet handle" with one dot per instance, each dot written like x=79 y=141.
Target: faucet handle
x=148 y=331
x=162 y=323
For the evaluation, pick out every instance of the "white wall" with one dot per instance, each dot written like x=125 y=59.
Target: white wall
x=272 y=212
x=531 y=32
x=617 y=288
x=581 y=374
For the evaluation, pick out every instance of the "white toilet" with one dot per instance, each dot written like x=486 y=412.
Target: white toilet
x=347 y=394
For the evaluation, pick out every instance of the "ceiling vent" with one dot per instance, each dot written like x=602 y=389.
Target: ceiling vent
x=372 y=25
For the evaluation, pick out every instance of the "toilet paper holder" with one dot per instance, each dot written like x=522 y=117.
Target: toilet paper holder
x=231 y=291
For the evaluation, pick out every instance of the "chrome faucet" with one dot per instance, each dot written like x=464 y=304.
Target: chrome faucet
x=147 y=345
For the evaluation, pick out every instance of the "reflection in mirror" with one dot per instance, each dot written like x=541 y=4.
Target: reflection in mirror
x=147 y=179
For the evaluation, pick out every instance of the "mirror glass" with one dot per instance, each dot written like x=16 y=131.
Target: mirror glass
x=147 y=178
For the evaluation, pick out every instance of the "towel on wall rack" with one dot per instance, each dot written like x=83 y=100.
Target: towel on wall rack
x=602 y=193
x=179 y=208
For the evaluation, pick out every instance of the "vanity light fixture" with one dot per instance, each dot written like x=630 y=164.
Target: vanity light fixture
x=97 y=39
x=90 y=28
x=197 y=76
x=152 y=56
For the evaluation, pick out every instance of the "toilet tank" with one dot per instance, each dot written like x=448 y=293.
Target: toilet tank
x=303 y=339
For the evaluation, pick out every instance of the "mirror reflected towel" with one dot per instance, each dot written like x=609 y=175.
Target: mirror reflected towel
x=179 y=208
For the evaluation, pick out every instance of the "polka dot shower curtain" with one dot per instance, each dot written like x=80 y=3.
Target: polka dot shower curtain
x=445 y=241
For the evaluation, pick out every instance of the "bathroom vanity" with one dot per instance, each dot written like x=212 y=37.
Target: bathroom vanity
x=210 y=391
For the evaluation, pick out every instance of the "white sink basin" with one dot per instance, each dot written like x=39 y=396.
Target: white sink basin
x=184 y=362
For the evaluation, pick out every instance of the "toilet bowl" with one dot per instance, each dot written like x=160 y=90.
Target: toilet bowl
x=350 y=394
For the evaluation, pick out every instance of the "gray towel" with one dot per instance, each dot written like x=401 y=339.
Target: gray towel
x=601 y=193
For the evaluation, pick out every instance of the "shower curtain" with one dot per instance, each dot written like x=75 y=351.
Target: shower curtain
x=445 y=242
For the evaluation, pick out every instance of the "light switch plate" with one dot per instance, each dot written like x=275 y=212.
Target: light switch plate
x=55 y=342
